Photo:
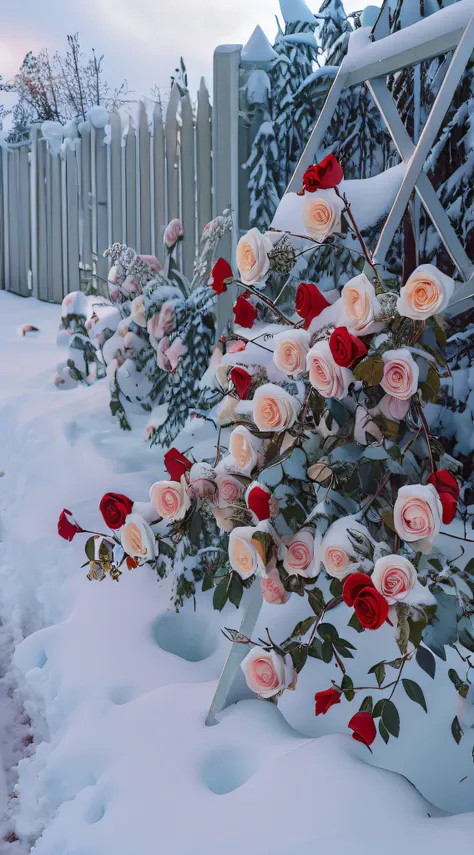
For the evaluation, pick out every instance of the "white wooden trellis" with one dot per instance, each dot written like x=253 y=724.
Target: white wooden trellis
x=451 y=29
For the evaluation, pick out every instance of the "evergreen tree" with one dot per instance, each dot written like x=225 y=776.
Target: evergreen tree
x=263 y=168
x=334 y=30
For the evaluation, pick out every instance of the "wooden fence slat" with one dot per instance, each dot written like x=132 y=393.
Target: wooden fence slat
x=144 y=181
x=172 y=165
x=14 y=214
x=73 y=278
x=116 y=178
x=204 y=157
x=158 y=159
x=56 y=229
x=24 y=226
x=188 y=187
x=85 y=219
x=42 y=201
x=102 y=234
x=130 y=185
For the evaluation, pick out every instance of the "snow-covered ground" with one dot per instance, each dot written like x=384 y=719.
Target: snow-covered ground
x=114 y=688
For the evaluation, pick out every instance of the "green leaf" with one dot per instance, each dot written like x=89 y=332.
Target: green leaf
x=195 y=529
x=298 y=653
x=315 y=649
x=390 y=718
x=266 y=540
x=383 y=732
x=367 y=704
x=469 y=568
x=303 y=627
x=221 y=593
x=347 y=687
x=456 y=730
x=466 y=637
x=327 y=652
x=327 y=630
x=207 y=582
x=342 y=643
x=414 y=692
x=426 y=661
x=433 y=382
x=378 y=708
x=355 y=624
x=236 y=590
x=336 y=588
x=370 y=370
x=316 y=600
x=380 y=674
x=89 y=548
x=461 y=688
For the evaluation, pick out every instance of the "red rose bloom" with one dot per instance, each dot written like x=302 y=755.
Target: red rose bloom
x=447 y=488
x=245 y=312
x=346 y=348
x=115 y=508
x=242 y=381
x=309 y=302
x=325 y=700
x=352 y=585
x=363 y=726
x=68 y=528
x=324 y=175
x=258 y=501
x=369 y=605
x=176 y=464
x=221 y=270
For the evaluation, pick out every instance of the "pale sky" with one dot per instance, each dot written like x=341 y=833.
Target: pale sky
x=142 y=39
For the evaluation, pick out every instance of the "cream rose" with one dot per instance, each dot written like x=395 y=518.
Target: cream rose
x=360 y=306
x=394 y=576
x=336 y=550
x=137 y=538
x=245 y=449
x=299 y=556
x=427 y=292
x=400 y=374
x=417 y=516
x=243 y=556
x=267 y=673
x=329 y=379
x=137 y=311
x=290 y=352
x=170 y=499
x=321 y=214
x=252 y=257
x=274 y=409
x=273 y=591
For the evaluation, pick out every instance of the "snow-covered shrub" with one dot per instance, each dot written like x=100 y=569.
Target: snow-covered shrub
x=326 y=481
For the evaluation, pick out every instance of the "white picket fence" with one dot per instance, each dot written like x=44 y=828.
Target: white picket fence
x=61 y=210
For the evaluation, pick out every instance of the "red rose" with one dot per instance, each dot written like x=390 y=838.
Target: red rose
x=370 y=606
x=245 y=312
x=346 y=348
x=221 y=270
x=363 y=726
x=309 y=302
x=176 y=464
x=242 y=381
x=447 y=488
x=352 y=585
x=258 y=500
x=115 y=508
x=68 y=528
x=325 y=700
x=324 y=175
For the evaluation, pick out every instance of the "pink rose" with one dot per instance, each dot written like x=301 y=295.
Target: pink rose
x=153 y=261
x=417 y=516
x=165 y=324
x=137 y=311
x=162 y=355
x=329 y=379
x=299 y=556
x=268 y=674
x=274 y=409
x=290 y=352
x=202 y=481
x=337 y=551
x=360 y=306
x=230 y=490
x=223 y=518
x=393 y=408
x=130 y=287
x=273 y=591
x=252 y=256
x=175 y=353
x=394 y=577
x=173 y=233
x=400 y=374
x=245 y=449
x=237 y=347
x=321 y=214
x=170 y=499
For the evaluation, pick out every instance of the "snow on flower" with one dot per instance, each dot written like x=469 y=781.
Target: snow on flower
x=417 y=516
x=267 y=673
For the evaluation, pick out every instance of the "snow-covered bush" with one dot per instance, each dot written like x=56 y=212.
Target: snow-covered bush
x=325 y=483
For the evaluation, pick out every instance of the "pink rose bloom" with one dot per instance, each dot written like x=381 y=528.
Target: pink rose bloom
x=165 y=324
x=245 y=449
x=137 y=538
x=229 y=489
x=175 y=353
x=299 y=556
x=393 y=408
x=202 y=484
x=400 y=377
x=417 y=516
x=237 y=347
x=153 y=261
x=427 y=293
x=329 y=379
x=360 y=306
x=152 y=326
x=162 y=358
x=337 y=551
x=173 y=233
x=273 y=591
x=394 y=577
x=291 y=350
x=170 y=499
x=130 y=286
x=268 y=674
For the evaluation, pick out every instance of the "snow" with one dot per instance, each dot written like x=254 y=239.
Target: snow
x=296 y=11
x=258 y=48
x=301 y=39
x=117 y=687
x=98 y=116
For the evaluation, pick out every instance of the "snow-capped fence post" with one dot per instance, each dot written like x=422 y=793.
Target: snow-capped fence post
x=115 y=170
x=144 y=180
x=71 y=213
x=158 y=180
x=203 y=157
x=172 y=154
x=85 y=228
x=130 y=181
x=33 y=208
x=188 y=185
x=226 y=161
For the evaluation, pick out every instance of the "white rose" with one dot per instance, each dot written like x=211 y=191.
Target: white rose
x=290 y=352
x=417 y=516
x=427 y=292
x=394 y=577
x=245 y=450
x=252 y=257
x=329 y=379
x=137 y=538
x=360 y=306
x=274 y=409
x=243 y=555
x=137 y=311
x=336 y=551
x=267 y=673
x=321 y=214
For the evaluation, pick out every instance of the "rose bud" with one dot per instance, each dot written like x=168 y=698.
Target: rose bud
x=325 y=700
x=447 y=488
x=363 y=726
x=115 y=508
x=323 y=175
x=67 y=525
x=245 y=312
x=242 y=381
x=258 y=500
x=176 y=464
x=221 y=271
x=346 y=348
x=309 y=302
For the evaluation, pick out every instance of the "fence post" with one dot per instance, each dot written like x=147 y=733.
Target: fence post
x=204 y=158
x=159 y=201
x=34 y=132
x=226 y=160
x=172 y=163
x=115 y=171
x=188 y=185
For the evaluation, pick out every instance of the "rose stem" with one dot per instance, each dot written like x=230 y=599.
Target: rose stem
x=238 y=337
x=265 y=300
x=361 y=240
x=327 y=608
x=317 y=244
x=426 y=433
x=218 y=446
x=372 y=499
